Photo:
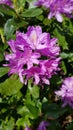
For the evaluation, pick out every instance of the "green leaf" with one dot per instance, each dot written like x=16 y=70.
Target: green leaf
x=9 y=29
x=2 y=34
x=3 y=47
x=46 y=21
x=1 y=56
x=5 y=9
x=30 y=110
x=64 y=55
x=10 y=86
x=7 y=124
x=18 y=4
x=61 y=38
x=34 y=111
x=3 y=71
x=22 y=110
x=63 y=66
x=33 y=12
x=70 y=126
x=55 y=125
x=10 y=124
x=40 y=17
x=25 y=111
x=12 y=25
x=24 y=121
x=52 y=110
x=33 y=90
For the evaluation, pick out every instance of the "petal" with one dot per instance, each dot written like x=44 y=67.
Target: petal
x=50 y=15
x=37 y=79
x=46 y=81
x=11 y=43
x=59 y=17
x=21 y=77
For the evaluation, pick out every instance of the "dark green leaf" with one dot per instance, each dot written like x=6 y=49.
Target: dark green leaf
x=33 y=12
x=70 y=126
x=12 y=25
x=53 y=110
x=61 y=38
x=63 y=66
x=1 y=56
x=55 y=125
x=5 y=9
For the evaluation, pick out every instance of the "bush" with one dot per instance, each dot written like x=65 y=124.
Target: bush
x=36 y=69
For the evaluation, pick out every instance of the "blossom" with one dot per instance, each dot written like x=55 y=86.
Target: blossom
x=43 y=125
x=45 y=3
x=66 y=92
x=57 y=8
x=50 y=66
x=7 y=2
x=33 y=55
x=27 y=128
x=20 y=60
x=41 y=42
x=43 y=72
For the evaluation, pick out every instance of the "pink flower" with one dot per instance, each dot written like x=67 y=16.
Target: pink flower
x=57 y=8
x=43 y=125
x=66 y=92
x=7 y=2
x=33 y=55
x=27 y=128
x=20 y=61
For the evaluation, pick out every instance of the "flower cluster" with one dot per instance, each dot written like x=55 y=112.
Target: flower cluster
x=33 y=55
x=66 y=92
x=42 y=126
x=57 y=8
x=7 y=2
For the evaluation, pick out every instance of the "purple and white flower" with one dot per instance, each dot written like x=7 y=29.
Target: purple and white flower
x=33 y=55
x=27 y=128
x=43 y=125
x=57 y=8
x=66 y=92
x=7 y=2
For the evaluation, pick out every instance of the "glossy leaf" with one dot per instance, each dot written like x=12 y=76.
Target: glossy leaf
x=61 y=38
x=5 y=9
x=33 y=12
x=3 y=71
x=10 y=86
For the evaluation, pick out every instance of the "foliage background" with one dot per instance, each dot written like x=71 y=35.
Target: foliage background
x=22 y=105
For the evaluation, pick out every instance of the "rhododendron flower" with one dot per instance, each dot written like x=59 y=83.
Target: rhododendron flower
x=7 y=2
x=66 y=92
x=20 y=60
x=57 y=8
x=43 y=125
x=41 y=42
x=27 y=128
x=33 y=55
x=46 y=69
x=45 y=3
